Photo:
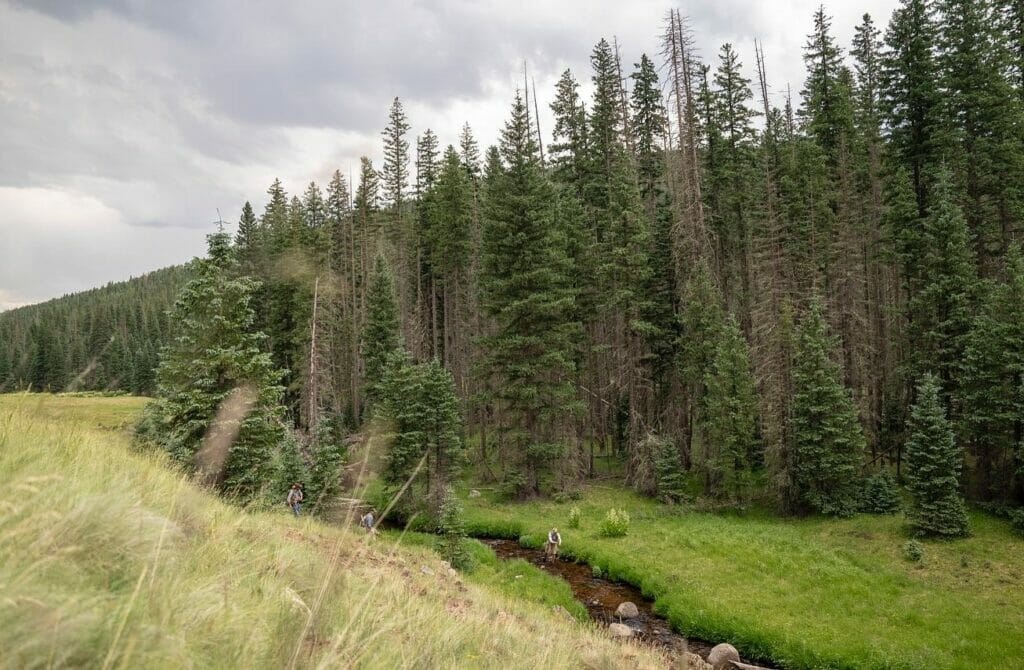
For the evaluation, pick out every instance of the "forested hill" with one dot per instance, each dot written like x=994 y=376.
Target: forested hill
x=105 y=338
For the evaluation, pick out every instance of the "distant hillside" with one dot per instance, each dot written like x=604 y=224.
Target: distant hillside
x=106 y=338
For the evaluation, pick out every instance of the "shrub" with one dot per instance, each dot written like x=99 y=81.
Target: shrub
x=881 y=494
x=615 y=523
x=575 y=515
x=1017 y=520
x=913 y=551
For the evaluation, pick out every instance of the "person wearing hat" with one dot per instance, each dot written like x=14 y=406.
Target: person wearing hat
x=295 y=498
x=554 y=542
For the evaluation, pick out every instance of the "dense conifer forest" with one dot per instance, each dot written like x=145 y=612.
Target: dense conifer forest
x=782 y=301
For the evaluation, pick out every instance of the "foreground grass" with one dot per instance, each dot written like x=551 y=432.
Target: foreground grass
x=109 y=559
x=812 y=593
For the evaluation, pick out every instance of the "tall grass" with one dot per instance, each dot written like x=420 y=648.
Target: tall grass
x=108 y=559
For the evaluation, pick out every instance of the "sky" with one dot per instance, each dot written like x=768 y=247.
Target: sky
x=129 y=127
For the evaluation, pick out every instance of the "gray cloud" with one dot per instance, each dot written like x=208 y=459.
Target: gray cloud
x=157 y=113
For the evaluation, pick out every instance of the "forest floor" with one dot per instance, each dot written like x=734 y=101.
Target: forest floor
x=806 y=593
x=109 y=558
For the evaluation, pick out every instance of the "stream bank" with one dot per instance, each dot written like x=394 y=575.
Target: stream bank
x=602 y=597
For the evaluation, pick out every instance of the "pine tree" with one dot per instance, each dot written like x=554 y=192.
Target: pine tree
x=940 y=304
x=649 y=125
x=527 y=291
x=730 y=417
x=247 y=240
x=327 y=469
x=991 y=392
x=933 y=463
x=469 y=152
x=395 y=170
x=381 y=336
x=825 y=109
x=828 y=443
x=452 y=545
x=910 y=95
x=216 y=354
x=567 y=152
x=420 y=400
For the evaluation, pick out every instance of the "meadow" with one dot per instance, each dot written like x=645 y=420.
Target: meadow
x=805 y=593
x=109 y=558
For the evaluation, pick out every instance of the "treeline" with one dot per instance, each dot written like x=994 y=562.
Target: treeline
x=685 y=275
x=104 y=339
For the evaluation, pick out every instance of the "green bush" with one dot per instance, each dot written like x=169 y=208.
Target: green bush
x=881 y=494
x=913 y=551
x=1017 y=520
x=575 y=515
x=615 y=523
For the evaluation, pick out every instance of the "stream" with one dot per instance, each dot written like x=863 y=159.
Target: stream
x=601 y=598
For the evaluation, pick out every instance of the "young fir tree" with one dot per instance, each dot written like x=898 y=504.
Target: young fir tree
x=215 y=353
x=730 y=417
x=668 y=469
x=526 y=289
x=933 y=462
x=452 y=527
x=420 y=400
x=649 y=124
x=827 y=441
x=247 y=240
x=290 y=468
x=327 y=468
x=381 y=336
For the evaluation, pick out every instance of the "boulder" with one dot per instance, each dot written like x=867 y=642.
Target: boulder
x=722 y=656
x=473 y=493
x=627 y=610
x=426 y=570
x=620 y=630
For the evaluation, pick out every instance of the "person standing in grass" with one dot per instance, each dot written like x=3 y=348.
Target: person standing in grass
x=367 y=522
x=295 y=498
x=553 y=543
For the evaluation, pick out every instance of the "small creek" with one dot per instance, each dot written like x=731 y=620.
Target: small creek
x=602 y=597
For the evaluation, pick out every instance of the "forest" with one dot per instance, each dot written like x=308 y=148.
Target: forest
x=802 y=304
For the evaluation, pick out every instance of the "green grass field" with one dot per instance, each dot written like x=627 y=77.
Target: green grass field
x=810 y=593
x=111 y=559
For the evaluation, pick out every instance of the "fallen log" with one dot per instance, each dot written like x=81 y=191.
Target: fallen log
x=736 y=665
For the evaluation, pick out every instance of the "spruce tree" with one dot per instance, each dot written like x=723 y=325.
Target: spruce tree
x=825 y=109
x=214 y=353
x=649 y=125
x=828 y=443
x=567 y=152
x=395 y=170
x=247 y=240
x=527 y=291
x=933 y=462
x=730 y=417
x=381 y=336
x=327 y=468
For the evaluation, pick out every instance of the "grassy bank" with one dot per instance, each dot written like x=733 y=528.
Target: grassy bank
x=109 y=559
x=811 y=593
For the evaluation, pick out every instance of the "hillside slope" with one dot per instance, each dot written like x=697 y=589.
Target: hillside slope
x=110 y=559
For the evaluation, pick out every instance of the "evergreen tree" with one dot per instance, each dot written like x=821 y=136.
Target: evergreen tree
x=527 y=291
x=452 y=545
x=730 y=417
x=933 y=465
x=825 y=109
x=395 y=170
x=215 y=353
x=910 y=94
x=327 y=469
x=827 y=440
x=420 y=400
x=940 y=304
x=469 y=152
x=381 y=336
x=568 y=150
x=247 y=240
x=649 y=124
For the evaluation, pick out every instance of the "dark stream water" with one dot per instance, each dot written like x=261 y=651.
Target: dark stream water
x=601 y=598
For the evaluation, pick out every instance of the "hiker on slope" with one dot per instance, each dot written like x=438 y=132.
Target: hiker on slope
x=295 y=498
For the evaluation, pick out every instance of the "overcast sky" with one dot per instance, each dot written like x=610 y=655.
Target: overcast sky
x=126 y=124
